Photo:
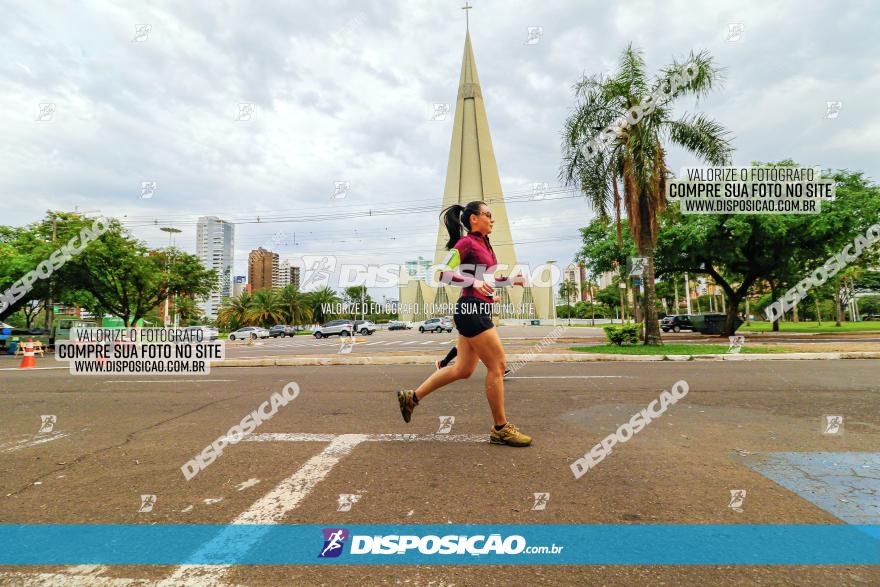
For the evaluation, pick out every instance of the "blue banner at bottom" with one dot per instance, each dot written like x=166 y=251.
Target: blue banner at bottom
x=538 y=544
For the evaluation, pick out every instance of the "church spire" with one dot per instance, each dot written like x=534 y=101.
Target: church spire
x=472 y=173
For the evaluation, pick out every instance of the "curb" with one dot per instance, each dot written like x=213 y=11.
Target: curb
x=543 y=358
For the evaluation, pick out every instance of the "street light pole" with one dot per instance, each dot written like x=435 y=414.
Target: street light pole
x=171 y=231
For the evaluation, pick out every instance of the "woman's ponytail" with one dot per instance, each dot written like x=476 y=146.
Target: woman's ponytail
x=452 y=220
x=457 y=218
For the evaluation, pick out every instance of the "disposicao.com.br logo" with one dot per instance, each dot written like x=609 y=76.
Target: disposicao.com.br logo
x=452 y=544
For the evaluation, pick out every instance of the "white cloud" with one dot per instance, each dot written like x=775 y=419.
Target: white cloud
x=343 y=92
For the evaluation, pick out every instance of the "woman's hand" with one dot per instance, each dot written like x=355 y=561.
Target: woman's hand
x=484 y=288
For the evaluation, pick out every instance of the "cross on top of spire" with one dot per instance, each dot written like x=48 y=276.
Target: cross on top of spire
x=466 y=7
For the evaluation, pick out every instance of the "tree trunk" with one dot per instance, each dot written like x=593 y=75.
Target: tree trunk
x=619 y=236
x=773 y=297
x=837 y=305
x=818 y=311
x=731 y=315
x=652 y=325
x=617 y=212
x=794 y=315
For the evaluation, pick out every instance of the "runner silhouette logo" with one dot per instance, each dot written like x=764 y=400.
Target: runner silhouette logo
x=334 y=540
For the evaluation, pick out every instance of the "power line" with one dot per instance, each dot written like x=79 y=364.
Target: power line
x=342 y=215
x=511 y=195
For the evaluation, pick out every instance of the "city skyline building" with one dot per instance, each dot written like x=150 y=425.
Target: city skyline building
x=262 y=269
x=215 y=247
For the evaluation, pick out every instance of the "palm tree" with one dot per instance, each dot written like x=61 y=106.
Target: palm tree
x=567 y=289
x=189 y=312
x=321 y=301
x=233 y=311
x=266 y=309
x=295 y=305
x=636 y=154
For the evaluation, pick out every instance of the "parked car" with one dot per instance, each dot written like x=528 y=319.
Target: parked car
x=249 y=332
x=436 y=325
x=871 y=318
x=399 y=326
x=676 y=323
x=210 y=333
x=339 y=327
x=282 y=330
x=65 y=325
x=364 y=327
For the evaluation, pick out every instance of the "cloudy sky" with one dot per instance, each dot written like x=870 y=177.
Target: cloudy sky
x=343 y=91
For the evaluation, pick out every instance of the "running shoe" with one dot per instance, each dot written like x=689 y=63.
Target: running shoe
x=406 y=398
x=510 y=436
x=507 y=372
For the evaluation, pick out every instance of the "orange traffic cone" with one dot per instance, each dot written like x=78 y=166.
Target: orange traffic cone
x=28 y=361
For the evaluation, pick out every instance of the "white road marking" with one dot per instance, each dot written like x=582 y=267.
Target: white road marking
x=170 y=381
x=33 y=441
x=55 y=579
x=306 y=437
x=269 y=509
x=569 y=377
x=247 y=484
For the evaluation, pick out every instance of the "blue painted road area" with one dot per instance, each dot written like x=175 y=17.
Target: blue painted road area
x=845 y=484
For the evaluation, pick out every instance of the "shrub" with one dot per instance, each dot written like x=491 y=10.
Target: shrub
x=623 y=334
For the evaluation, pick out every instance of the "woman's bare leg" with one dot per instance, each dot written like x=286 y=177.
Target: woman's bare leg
x=462 y=369
x=487 y=346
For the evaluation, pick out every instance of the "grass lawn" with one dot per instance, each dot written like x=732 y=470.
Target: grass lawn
x=674 y=349
x=810 y=327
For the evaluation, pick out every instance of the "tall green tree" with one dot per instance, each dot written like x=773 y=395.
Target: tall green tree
x=295 y=305
x=636 y=154
x=266 y=308
x=233 y=311
x=320 y=301
x=23 y=248
x=121 y=276
x=188 y=310
x=568 y=289
x=741 y=250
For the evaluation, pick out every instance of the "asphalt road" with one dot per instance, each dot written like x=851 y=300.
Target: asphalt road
x=117 y=438
x=515 y=338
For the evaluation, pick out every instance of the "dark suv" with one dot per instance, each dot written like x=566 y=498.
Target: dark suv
x=676 y=323
x=282 y=330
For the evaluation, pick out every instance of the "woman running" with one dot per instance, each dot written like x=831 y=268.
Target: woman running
x=450 y=356
x=477 y=338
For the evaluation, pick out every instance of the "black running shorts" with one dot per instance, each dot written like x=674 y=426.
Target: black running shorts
x=472 y=316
